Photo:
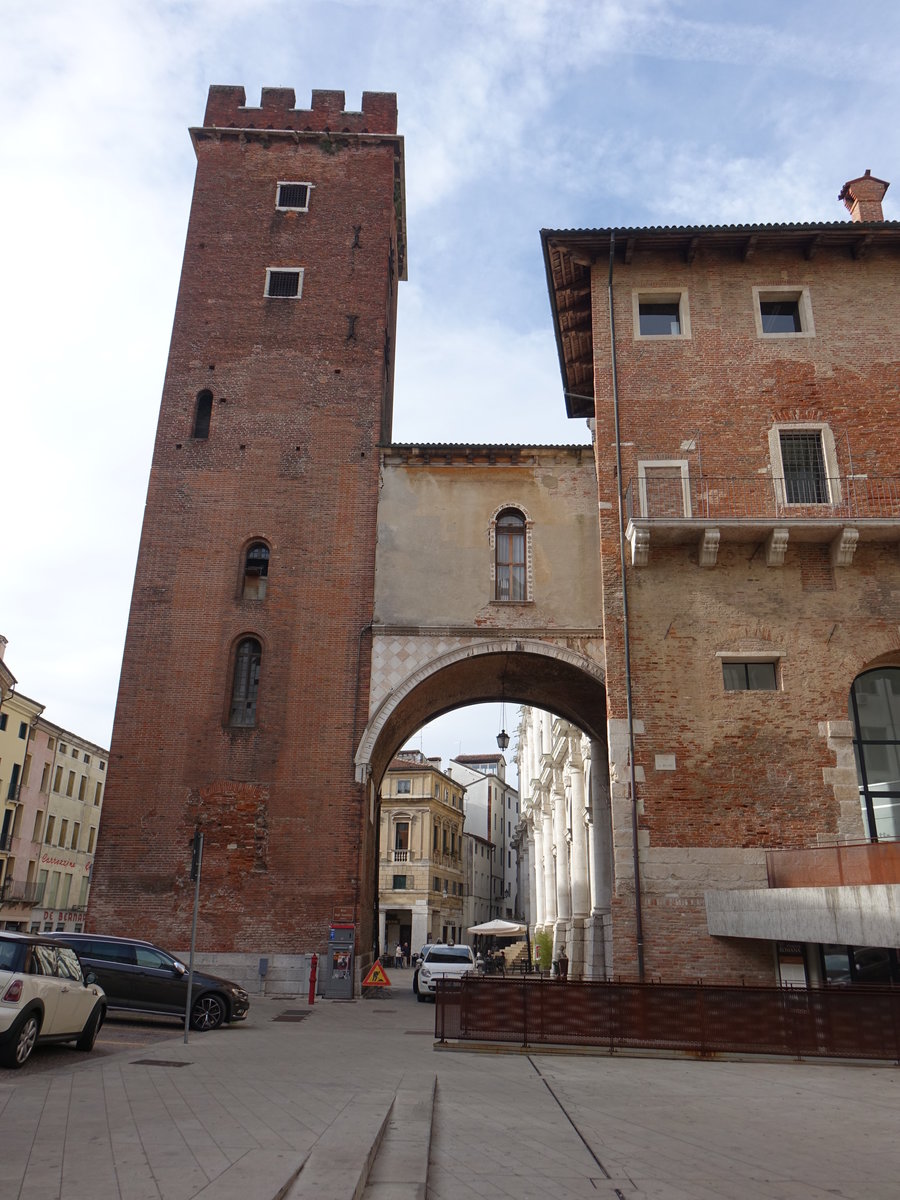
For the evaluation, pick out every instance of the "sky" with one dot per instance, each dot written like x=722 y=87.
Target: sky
x=517 y=115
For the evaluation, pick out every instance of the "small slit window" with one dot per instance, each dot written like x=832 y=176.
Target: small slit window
x=256 y=571
x=293 y=197
x=202 y=414
x=284 y=283
x=245 y=685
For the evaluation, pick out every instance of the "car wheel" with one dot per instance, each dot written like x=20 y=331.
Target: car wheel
x=421 y=998
x=416 y=983
x=207 y=1013
x=91 y=1029
x=17 y=1051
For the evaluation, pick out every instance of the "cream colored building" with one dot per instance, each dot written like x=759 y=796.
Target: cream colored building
x=52 y=783
x=18 y=716
x=420 y=869
x=564 y=843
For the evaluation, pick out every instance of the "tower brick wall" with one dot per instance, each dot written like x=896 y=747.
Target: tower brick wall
x=301 y=397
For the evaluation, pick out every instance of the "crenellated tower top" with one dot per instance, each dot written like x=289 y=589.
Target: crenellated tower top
x=227 y=108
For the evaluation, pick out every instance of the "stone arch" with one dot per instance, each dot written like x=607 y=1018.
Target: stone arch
x=518 y=670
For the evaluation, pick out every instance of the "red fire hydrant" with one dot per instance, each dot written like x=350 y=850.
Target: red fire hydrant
x=312 y=978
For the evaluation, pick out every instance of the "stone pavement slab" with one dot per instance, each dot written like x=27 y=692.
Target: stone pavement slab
x=245 y=1108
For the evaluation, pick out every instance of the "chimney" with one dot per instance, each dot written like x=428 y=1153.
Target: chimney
x=863 y=197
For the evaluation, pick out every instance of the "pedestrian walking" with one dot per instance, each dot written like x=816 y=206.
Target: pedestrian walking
x=398 y=956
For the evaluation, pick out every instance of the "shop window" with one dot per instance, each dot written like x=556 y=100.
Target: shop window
x=256 y=571
x=245 y=683
x=875 y=713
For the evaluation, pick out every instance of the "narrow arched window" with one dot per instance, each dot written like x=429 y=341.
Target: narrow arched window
x=875 y=713
x=256 y=571
x=245 y=685
x=202 y=414
x=509 y=542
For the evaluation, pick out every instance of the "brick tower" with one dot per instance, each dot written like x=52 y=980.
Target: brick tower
x=246 y=667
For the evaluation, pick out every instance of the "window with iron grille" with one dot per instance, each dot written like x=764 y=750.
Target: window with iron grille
x=245 y=685
x=293 y=196
x=285 y=283
x=803 y=464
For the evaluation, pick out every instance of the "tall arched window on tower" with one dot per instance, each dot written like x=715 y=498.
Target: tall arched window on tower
x=256 y=571
x=245 y=684
x=875 y=713
x=202 y=414
x=510 y=581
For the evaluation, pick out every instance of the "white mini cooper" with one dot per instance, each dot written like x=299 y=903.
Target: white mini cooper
x=44 y=997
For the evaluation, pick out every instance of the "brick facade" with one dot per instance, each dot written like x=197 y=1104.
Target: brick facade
x=721 y=565
x=301 y=398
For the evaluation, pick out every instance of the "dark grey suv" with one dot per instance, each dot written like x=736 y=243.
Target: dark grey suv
x=139 y=977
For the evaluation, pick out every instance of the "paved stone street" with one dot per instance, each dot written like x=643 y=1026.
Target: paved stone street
x=297 y=1102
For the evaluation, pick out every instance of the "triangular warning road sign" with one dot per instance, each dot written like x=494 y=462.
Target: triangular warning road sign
x=376 y=976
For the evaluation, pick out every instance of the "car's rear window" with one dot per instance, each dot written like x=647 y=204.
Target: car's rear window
x=11 y=956
x=449 y=954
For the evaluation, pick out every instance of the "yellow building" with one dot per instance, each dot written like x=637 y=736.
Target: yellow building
x=51 y=790
x=420 y=865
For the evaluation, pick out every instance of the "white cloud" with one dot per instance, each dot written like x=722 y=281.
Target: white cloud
x=517 y=114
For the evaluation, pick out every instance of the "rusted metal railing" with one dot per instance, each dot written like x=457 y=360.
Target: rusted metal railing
x=712 y=497
x=705 y=1019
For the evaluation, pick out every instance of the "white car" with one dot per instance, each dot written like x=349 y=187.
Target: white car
x=44 y=997
x=443 y=962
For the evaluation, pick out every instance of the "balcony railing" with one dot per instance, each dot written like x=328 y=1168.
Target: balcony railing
x=845 y=865
x=14 y=892
x=401 y=856
x=754 y=498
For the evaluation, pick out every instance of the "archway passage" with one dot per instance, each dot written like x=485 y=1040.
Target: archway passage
x=518 y=672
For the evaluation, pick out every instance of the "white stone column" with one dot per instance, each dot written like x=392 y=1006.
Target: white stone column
x=549 y=862
x=539 y=908
x=581 y=899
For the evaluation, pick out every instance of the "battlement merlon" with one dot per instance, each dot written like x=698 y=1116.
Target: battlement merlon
x=226 y=108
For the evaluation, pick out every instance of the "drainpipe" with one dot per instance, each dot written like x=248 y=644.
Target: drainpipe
x=638 y=919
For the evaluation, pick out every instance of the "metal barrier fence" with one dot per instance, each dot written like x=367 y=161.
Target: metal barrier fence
x=704 y=1019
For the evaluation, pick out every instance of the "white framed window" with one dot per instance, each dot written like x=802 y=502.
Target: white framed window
x=664 y=486
x=291 y=196
x=660 y=313
x=783 y=312
x=750 y=672
x=804 y=463
x=285 y=283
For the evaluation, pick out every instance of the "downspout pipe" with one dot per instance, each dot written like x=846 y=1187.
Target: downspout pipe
x=629 y=711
